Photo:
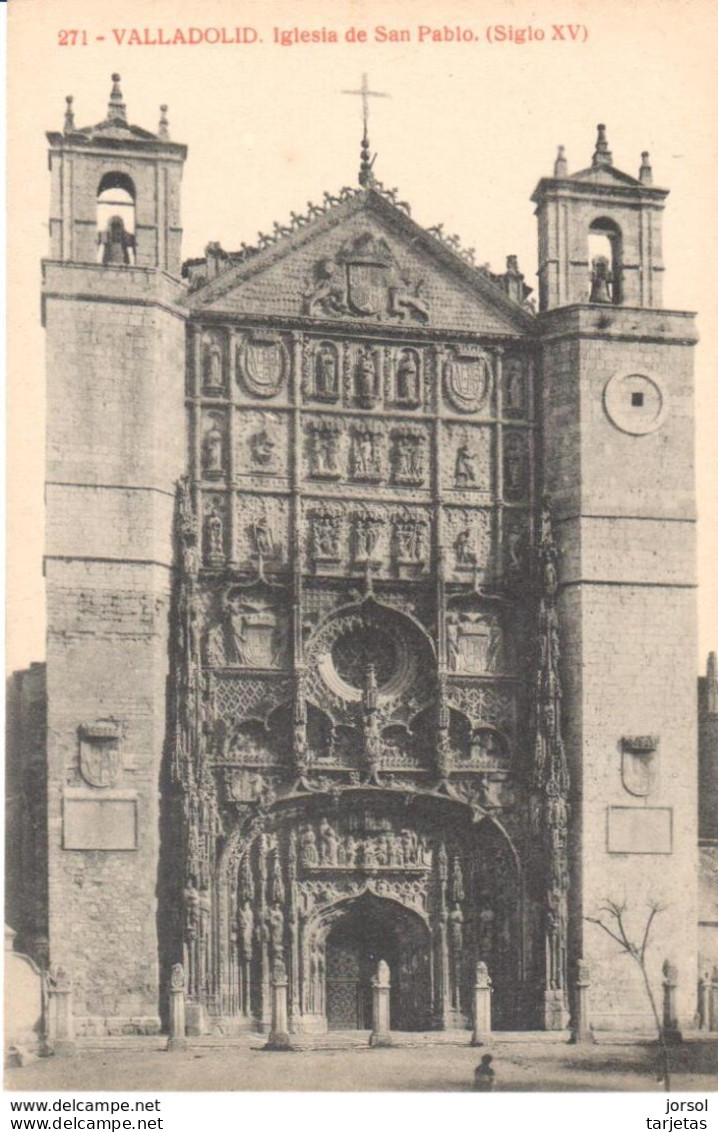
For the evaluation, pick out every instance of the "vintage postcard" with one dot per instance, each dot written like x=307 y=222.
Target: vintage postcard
x=362 y=525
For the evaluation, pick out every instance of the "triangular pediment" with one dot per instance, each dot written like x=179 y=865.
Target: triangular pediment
x=605 y=175
x=362 y=260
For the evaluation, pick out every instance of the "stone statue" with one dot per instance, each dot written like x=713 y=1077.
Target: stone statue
x=465 y=553
x=263 y=538
x=213 y=367
x=366 y=378
x=177 y=977
x=407 y=378
x=214 y=450
x=325 y=372
x=214 y=648
x=465 y=466
x=275 y=921
x=514 y=387
x=245 y=922
x=214 y=535
x=308 y=841
x=237 y=618
x=454 y=657
x=328 y=843
x=364 y=454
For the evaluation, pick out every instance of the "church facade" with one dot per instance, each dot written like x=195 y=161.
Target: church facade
x=371 y=606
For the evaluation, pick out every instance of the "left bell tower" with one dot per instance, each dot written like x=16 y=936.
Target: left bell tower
x=114 y=318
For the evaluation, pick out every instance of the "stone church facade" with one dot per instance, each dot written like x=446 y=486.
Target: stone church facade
x=371 y=609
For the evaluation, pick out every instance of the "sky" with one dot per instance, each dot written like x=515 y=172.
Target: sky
x=472 y=122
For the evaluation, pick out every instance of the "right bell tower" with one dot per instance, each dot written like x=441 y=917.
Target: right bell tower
x=618 y=471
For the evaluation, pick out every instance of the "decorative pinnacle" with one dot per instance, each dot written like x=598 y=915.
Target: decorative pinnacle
x=69 y=115
x=560 y=167
x=366 y=176
x=645 y=173
x=164 y=130
x=366 y=164
x=116 y=108
x=602 y=154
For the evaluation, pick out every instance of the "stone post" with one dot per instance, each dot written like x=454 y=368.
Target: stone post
x=482 y=1005
x=581 y=1024
x=60 y=1024
x=670 y=1020
x=279 y=1033
x=177 y=1036
x=704 y=1001
x=381 y=988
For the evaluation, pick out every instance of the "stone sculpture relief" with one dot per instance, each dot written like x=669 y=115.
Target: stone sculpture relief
x=363 y=280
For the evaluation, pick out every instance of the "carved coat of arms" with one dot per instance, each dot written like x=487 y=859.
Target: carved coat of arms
x=467 y=381
x=262 y=363
x=100 y=757
x=364 y=279
x=639 y=764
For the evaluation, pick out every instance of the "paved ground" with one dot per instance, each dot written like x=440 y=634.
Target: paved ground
x=525 y=1067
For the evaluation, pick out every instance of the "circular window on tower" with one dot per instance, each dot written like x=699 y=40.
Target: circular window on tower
x=635 y=403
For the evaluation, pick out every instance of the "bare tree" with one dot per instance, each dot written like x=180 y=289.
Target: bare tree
x=615 y=927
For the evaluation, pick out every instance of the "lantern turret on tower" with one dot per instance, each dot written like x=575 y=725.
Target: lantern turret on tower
x=599 y=234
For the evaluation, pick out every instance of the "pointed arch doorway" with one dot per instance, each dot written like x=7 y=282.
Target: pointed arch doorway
x=369 y=929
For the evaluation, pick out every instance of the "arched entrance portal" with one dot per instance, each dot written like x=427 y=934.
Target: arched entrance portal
x=370 y=929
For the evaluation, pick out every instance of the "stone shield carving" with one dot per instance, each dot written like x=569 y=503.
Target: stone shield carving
x=100 y=756
x=467 y=381
x=263 y=364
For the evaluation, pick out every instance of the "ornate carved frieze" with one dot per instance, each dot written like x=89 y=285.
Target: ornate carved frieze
x=261 y=445
x=326 y=535
x=469 y=535
x=409 y=539
x=483 y=703
x=262 y=529
x=324 y=448
x=475 y=641
x=368 y=536
x=408 y=455
x=322 y=849
x=250 y=631
x=236 y=697
x=363 y=280
x=367 y=454
x=467 y=458
x=468 y=379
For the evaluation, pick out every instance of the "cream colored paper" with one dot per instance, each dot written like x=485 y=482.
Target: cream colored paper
x=468 y=130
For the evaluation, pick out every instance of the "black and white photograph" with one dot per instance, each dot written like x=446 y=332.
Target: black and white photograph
x=362 y=725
